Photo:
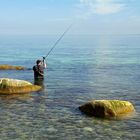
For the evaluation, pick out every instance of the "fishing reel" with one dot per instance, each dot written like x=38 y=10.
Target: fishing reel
x=43 y=58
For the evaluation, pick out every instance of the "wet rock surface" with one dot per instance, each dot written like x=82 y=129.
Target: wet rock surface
x=13 y=86
x=107 y=108
x=10 y=67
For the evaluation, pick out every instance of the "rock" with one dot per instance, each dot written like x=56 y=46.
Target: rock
x=107 y=108
x=89 y=129
x=9 y=67
x=12 y=86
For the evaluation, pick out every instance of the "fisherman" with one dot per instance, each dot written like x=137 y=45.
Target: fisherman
x=39 y=69
x=41 y=65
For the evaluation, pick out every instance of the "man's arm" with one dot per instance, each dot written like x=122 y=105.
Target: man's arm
x=44 y=64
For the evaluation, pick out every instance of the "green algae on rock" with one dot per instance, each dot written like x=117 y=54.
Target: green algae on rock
x=12 y=86
x=9 y=67
x=107 y=108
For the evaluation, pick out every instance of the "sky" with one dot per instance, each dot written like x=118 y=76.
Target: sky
x=54 y=16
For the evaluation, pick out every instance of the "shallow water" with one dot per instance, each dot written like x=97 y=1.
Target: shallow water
x=79 y=69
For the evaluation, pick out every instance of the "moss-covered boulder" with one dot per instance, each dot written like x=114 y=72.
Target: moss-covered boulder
x=107 y=108
x=12 y=86
x=9 y=67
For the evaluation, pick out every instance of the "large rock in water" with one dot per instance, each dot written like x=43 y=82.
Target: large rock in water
x=107 y=108
x=12 y=86
x=9 y=67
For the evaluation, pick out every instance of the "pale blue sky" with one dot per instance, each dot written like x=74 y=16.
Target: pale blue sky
x=54 y=16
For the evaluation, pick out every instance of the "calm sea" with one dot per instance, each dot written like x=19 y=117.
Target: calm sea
x=79 y=69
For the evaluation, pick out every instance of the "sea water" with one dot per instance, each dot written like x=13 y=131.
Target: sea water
x=80 y=68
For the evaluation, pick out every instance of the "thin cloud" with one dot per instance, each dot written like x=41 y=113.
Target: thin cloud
x=101 y=6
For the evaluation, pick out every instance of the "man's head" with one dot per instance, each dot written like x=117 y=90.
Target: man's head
x=38 y=62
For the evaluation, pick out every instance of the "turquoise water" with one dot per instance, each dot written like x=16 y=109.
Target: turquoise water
x=80 y=68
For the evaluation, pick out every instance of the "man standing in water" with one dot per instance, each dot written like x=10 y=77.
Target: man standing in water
x=39 y=70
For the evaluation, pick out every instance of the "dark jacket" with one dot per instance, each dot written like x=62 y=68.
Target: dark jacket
x=38 y=72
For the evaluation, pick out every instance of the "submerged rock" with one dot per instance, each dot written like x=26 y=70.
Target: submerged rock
x=12 y=86
x=107 y=108
x=9 y=67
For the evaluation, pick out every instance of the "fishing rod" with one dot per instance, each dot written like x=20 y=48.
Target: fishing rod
x=57 y=41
